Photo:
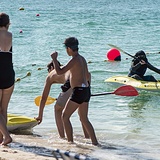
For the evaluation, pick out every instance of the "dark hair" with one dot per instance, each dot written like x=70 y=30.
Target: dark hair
x=140 y=55
x=49 y=65
x=4 y=19
x=72 y=43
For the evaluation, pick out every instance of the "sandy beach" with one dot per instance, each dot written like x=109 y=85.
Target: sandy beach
x=26 y=148
x=32 y=146
x=14 y=154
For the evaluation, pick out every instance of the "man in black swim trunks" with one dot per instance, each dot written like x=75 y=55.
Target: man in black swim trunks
x=81 y=89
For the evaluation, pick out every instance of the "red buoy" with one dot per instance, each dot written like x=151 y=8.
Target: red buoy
x=113 y=55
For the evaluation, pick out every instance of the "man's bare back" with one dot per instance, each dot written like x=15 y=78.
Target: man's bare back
x=77 y=72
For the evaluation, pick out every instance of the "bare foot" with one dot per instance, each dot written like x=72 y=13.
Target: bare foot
x=70 y=142
x=63 y=138
x=6 y=141
x=96 y=144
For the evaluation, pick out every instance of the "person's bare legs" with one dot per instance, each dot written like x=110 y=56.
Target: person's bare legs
x=86 y=135
x=58 y=117
x=83 y=113
x=67 y=112
x=5 y=95
x=59 y=122
x=4 y=131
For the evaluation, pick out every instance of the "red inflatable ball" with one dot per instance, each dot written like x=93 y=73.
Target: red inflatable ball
x=113 y=55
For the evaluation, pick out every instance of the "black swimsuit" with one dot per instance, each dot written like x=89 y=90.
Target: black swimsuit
x=81 y=94
x=66 y=86
x=7 y=74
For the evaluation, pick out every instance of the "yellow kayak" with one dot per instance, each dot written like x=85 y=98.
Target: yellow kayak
x=138 y=84
x=17 y=122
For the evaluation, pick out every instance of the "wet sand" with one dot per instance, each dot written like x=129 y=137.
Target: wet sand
x=26 y=147
x=33 y=146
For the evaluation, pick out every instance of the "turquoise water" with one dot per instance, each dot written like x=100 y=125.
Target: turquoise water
x=131 y=125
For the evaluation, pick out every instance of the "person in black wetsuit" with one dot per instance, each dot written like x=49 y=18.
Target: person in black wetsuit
x=7 y=76
x=139 y=67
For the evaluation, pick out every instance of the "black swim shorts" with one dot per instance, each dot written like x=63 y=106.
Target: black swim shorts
x=81 y=94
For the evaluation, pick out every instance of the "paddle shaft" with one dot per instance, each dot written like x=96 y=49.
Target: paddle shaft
x=111 y=45
x=101 y=94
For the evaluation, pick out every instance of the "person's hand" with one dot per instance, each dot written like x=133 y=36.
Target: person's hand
x=39 y=119
x=142 y=62
x=54 y=55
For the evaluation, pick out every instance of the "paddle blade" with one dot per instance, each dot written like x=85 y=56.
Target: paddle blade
x=126 y=90
x=49 y=100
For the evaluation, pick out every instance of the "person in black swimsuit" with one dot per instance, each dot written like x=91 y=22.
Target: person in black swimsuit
x=79 y=76
x=7 y=76
x=139 y=67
